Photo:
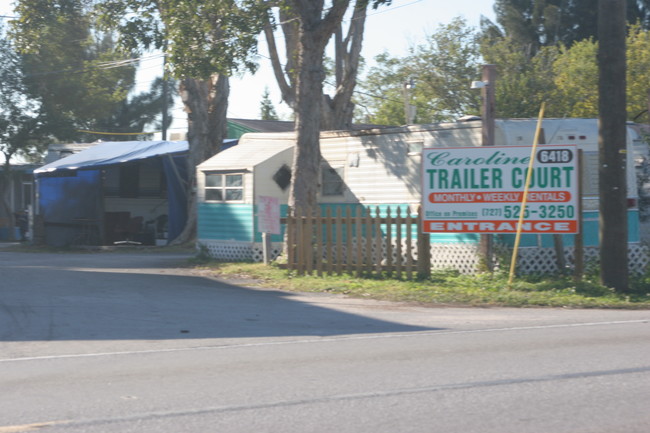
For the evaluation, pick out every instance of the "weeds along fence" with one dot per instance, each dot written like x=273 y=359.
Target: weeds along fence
x=372 y=243
x=358 y=242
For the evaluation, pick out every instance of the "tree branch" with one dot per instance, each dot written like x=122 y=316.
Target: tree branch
x=285 y=89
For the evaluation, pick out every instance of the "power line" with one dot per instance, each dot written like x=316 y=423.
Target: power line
x=392 y=8
x=116 y=133
x=99 y=66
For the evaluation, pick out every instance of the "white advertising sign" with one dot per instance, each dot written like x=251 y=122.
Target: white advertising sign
x=480 y=189
x=268 y=214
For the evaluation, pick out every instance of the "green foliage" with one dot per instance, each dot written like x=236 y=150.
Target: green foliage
x=381 y=98
x=139 y=111
x=638 y=71
x=538 y=23
x=201 y=37
x=576 y=78
x=62 y=59
x=448 y=287
x=77 y=71
x=267 y=110
x=524 y=80
x=441 y=69
x=564 y=77
x=20 y=117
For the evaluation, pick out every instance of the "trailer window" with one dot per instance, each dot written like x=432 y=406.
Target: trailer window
x=224 y=187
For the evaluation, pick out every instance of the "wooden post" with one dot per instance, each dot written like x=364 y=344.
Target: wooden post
x=359 y=243
x=369 y=241
x=300 y=242
x=339 y=242
x=487 y=139
x=308 y=230
x=558 y=243
x=389 y=243
x=266 y=247
x=398 y=244
x=291 y=239
x=378 y=243
x=348 y=240
x=409 y=244
x=318 y=232
x=328 y=241
x=578 y=246
x=424 y=249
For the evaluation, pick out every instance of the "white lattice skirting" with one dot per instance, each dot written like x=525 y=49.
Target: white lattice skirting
x=544 y=261
x=231 y=251
x=462 y=257
x=532 y=260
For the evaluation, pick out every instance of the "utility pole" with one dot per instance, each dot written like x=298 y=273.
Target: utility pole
x=612 y=138
x=409 y=110
x=165 y=94
x=488 y=78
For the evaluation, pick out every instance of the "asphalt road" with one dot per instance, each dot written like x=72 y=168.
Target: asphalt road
x=117 y=342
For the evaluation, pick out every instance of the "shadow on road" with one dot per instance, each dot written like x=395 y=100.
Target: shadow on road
x=58 y=297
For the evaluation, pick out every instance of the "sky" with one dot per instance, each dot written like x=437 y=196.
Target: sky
x=389 y=28
x=392 y=28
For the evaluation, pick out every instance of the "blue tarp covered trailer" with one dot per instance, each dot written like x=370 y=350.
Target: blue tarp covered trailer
x=82 y=198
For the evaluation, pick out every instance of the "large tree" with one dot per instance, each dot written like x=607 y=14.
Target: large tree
x=337 y=109
x=77 y=72
x=313 y=26
x=267 y=110
x=205 y=42
x=442 y=69
x=140 y=111
x=20 y=121
x=524 y=79
x=575 y=73
x=308 y=26
x=222 y=35
x=537 y=23
x=437 y=73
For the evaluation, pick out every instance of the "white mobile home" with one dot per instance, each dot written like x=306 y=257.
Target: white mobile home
x=375 y=168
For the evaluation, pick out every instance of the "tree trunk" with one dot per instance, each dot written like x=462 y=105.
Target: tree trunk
x=206 y=104
x=5 y=205
x=612 y=144
x=306 y=159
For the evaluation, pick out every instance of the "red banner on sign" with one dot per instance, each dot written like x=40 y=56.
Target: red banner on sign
x=500 y=226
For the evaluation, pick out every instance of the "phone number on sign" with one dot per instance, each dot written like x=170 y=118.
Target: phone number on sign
x=542 y=211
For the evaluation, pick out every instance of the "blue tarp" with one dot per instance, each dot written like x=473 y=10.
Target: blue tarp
x=69 y=189
x=113 y=152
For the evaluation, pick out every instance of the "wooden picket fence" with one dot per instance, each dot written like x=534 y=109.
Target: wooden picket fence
x=357 y=242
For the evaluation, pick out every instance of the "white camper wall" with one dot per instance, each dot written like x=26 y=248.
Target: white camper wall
x=376 y=168
x=264 y=184
x=383 y=166
x=580 y=132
